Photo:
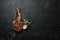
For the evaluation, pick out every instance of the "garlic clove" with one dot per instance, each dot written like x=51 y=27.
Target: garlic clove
x=24 y=27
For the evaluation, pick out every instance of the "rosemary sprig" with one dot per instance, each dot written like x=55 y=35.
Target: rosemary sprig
x=25 y=20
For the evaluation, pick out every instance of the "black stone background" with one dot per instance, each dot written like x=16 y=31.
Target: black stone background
x=44 y=15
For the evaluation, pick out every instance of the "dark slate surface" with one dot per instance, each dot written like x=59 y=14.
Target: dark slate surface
x=44 y=15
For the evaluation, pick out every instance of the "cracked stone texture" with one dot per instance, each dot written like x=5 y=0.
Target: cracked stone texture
x=44 y=15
